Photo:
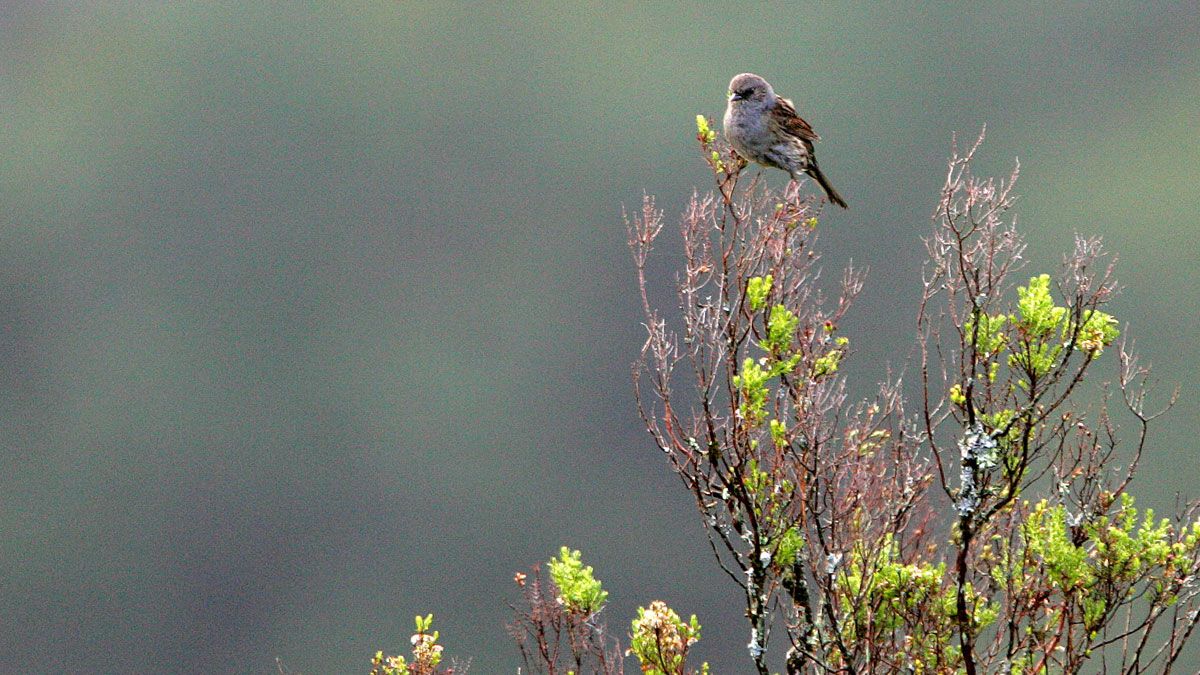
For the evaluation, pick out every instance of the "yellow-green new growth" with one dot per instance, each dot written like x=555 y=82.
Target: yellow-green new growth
x=718 y=165
x=703 y=133
x=578 y=590
x=827 y=364
x=1037 y=319
x=752 y=385
x=781 y=327
x=779 y=433
x=1097 y=332
x=1116 y=553
x=880 y=591
x=426 y=653
x=788 y=547
x=757 y=290
x=1037 y=315
x=660 y=640
x=988 y=338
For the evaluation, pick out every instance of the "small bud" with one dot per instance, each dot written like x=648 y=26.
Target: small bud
x=718 y=165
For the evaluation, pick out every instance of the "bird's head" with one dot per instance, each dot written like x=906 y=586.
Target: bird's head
x=749 y=87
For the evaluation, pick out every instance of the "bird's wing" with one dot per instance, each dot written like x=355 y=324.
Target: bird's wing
x=785 y=119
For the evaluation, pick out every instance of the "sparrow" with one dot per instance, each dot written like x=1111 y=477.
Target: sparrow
x=764 y=127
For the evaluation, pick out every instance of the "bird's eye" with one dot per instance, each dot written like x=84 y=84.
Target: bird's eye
x=745 y=93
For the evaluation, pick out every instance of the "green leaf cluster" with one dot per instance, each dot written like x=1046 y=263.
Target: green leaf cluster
x=1049 y=540
x=660 y=640
x=957 y=396
x=779 y=433
x=771 y=498
x=752 y=384
x=879 y=593
x=1038 y=332
x=704 y=134
x=578 y=590
x=426 y=653
x=757 y=290
x=781 y=328
x=1037 y=316
x=1098 y=330
x=1100 y=563
x=760 y=484
x=827 y=363
x=788 y=547
x=754 y=380
x=989 y=338
x=1037 y=319
x=764 y=489
x=717 y=164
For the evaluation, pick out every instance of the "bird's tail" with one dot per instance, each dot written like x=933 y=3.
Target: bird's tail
x=815 y=172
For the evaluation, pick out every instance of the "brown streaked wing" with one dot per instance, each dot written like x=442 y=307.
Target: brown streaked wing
x=784 y=116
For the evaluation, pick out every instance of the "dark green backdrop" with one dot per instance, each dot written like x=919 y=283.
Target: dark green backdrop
x=314 y=316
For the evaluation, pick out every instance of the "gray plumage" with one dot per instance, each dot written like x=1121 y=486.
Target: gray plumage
x=764 y=128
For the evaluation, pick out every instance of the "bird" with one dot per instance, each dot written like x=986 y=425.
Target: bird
x=764 y=127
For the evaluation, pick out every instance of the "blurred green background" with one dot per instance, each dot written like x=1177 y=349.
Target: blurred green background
x=319 y=315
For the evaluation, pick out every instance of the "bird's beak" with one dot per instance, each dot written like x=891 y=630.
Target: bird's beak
x=733 y=96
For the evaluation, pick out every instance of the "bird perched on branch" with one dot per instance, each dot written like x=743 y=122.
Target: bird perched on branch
x=764 y=127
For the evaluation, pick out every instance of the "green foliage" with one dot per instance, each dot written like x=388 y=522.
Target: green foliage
x=426 y=653
x=989 y=340
x=1097 y=332
x=779 y=433
x=717 y=164
x=998 y=420
x=660 y=640
x=578 y=590
x=703 y=133
x=881 y=594
x=763 y=488
x=1049 y=540
x=1037 y=319
x=789 y=547
x=1033 y=331
x=1036 y=359
x=752 y=384
x=770 y=497
x=1124 y=549
x=781 y=328
x=754 y=379
x=757 y=290
x=424 y=623
x=707 y=136
x=1096 y=565
x=1037 y=316
x=827 y=364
